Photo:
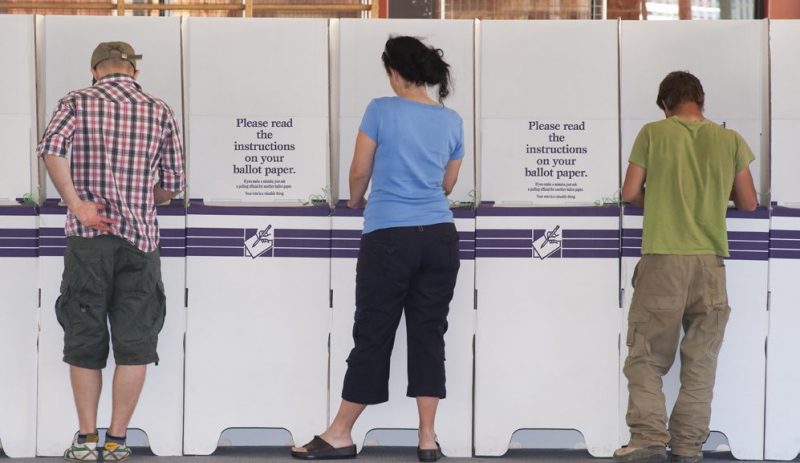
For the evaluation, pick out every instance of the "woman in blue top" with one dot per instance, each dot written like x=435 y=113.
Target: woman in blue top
x=411 y=147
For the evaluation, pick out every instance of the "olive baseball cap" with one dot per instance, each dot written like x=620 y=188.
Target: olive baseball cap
x=109 y=50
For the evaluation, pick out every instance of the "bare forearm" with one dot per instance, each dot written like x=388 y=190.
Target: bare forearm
x=58 y=168
x=358 y=187
x=161 y=195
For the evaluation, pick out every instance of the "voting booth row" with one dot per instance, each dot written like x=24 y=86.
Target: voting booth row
x=259 y=270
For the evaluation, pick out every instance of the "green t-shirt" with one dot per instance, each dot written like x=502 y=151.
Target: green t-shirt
x=690 y=169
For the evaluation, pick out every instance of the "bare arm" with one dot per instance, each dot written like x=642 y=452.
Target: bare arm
x=633 y=187
x=160 y=195
x=451 y=175
x=87 y=212
x=361 y=170
x=744 y=192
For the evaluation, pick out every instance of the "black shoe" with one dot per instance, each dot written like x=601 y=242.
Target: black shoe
x=652 y=454
x=319 y=449
x=428 y=455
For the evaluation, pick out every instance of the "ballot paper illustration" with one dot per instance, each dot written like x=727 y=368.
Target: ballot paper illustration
x=547 y=244
x=260 y=243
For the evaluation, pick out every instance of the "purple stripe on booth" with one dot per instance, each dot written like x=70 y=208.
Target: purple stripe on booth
x=749 y=255
x=19 y=232
x=17 y=210
x=172 y=252
x=591 y=233
x=346 y=233
x=631 y=211
x=215 y=242
x=631 y=232
x=631 y=242
x=19 y=243
x=466 y=245
x=784 y=244
x=748 y=236
x=784 y=254
x=52 y=251
x=302 y=243
x=484 y=252
x=215 y=252
x=503 y=233
x=631 y=252
x=466 y=235
x=785 y=234
x=60 y=242
x=346 y=244
x=491 y=211
x=760 y=213
x=172 y=242
x=344 y=253
x=466 y=255
x=463 y=213
x=590 y=253
x=748 y=245
x=299 y=252
x=214 y=232
x=52 y=231
x=311 y=211
x=590 y=244
x=503 y=243
x=19 y=252
x=301 y=233
x=781 y=211
x=172 y=232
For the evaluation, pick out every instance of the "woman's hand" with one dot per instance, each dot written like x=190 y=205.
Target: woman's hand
x=360 y=203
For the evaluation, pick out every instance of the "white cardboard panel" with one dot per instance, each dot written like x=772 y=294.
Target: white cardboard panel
x=739 y=391
x=362 y=78
x=66 y=49
x=454 y=416
x=729 y=57
x=158 y=413
x=782 y=434
x=257 y=335
x=272 y=70
x=18 y=332
x=549 y=119
x=534 y=330
x=18 y=165
x=785 y=98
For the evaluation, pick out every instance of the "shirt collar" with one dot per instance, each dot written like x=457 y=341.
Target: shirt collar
x=119 y=78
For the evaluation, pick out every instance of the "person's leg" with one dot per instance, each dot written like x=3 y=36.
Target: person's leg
x=427 y=417
x=426 y=307
x=654 y=325
x=339 y=432
x=128 y=383
x=704 y=324
x=86 y=387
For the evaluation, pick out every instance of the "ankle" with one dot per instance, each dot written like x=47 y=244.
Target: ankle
x=120 y=440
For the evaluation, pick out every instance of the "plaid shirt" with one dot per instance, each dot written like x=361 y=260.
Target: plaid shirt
x=123 y=141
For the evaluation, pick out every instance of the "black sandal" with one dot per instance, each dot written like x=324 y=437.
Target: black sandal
x=319 y=449
x=430 y=455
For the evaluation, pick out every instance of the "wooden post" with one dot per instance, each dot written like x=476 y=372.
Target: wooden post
x=248 y=8
x=374 y=9
x=120 y=7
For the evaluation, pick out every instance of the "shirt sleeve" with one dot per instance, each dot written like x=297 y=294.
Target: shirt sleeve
x=458 y=149
x=57 y=137
x=641 y=149
x=744 y=156
x=370 y=123
x=171 y=166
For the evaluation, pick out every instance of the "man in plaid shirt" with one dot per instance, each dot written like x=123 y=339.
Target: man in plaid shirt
x=126 y=158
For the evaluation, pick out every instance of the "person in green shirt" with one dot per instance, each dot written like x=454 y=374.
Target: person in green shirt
x=690 y=167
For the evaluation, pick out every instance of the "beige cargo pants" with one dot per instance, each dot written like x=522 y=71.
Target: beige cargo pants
x=670 y=292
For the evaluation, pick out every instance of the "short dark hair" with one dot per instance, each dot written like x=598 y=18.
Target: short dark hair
x=417 y=63
x=679 y=87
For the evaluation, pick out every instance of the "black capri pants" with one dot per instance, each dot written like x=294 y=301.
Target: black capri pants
x=411 y=268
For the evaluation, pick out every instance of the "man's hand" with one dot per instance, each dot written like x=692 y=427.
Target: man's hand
x=357 y=203
x=87 y=213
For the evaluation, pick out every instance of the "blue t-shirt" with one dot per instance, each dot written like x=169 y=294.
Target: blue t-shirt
x=415 y=143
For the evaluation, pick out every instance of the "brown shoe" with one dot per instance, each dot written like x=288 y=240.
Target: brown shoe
x=630 y=454
x=687 y=458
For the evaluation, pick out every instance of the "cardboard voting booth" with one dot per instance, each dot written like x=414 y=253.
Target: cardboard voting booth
x=731 y=60
x=158 y=413
x=65 y=46
x=454 y=417
x=361 y=77
x=785 y=107
x=259 y=316
x=19 y=316
x=547 y=324
x=19 y=170
x=257 y=99
x=738 y=404
x=548 y=116
x=782 y=438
